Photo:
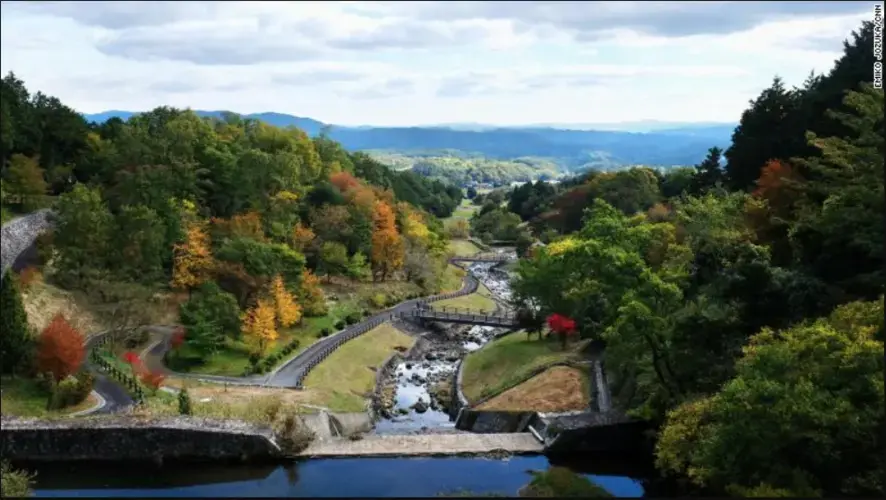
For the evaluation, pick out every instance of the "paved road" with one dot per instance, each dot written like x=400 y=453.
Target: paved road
x=116 y=398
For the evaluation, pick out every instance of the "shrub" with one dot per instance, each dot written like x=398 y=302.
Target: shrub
x=70 y=391
x=325 y=332
x=254 y=358
x=29 y=276
x=340 y=324
x=14 y=483
x=378 y=300
x=366 y=313
x=353 y=318
x=184 y=402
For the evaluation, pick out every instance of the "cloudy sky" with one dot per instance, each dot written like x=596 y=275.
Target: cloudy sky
x=406 y=63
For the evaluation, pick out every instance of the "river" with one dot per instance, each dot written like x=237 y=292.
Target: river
x=413 y=378
x=357 y=477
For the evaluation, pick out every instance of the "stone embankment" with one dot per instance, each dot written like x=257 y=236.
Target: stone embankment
x=426 y=445
x=128 y=438
x=19 y=235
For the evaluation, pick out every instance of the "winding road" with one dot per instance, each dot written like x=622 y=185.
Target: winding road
x=20 y=234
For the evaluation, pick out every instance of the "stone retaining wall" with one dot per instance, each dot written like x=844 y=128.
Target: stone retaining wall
x=381 y=375
x=128 y=438
x=19 y=235
x=494 y=422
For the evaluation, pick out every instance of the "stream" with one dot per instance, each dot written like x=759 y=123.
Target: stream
x=414 y=410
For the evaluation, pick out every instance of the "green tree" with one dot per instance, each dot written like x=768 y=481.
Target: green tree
x=209 y=316
x=802 y=416
x=24 y=178
x=16 y=342
x=708 y=173
x=139 y=238
x=333 y=259
x=82 y=232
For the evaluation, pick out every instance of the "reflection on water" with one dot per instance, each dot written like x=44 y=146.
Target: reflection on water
x=359 y=477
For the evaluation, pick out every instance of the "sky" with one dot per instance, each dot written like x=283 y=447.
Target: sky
x=418 y=63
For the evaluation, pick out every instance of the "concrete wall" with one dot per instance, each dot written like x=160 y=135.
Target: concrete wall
x=128 y=438
x=493 y=422
x=626 y=437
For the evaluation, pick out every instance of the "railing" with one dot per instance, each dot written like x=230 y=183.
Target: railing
x=484 y=257
x=125 y=379
x=465 y=315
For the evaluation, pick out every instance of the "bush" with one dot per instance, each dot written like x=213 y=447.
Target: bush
x=254 y=358
x=14 y=483
x=353 y=318
x=184 y=402
x=340 y=324
x=378 y=300
x=325 y=332
x=71 y=391
x=366 y=313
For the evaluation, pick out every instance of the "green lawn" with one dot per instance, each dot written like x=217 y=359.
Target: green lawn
x=346 y=377
x=24 y=397
x=453 y=279
x=508 y=360
x=463 y=248
x=480 y=301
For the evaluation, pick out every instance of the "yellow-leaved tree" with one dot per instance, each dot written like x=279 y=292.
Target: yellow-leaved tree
x=193 y=263
x=288 y=310
x=312 y=297
x=387 y=245
x=259 y=326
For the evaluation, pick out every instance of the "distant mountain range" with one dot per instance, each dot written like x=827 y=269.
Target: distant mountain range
x=573 y=147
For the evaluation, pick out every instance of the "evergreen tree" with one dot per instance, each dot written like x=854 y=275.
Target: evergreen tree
x=15 y=337
x=770 y=130
x=707 y=173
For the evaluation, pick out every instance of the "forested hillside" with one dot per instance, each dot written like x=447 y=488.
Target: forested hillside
x=239 y=216
x=741 y=307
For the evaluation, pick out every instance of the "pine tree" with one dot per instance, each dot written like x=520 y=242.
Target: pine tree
x=15 y=336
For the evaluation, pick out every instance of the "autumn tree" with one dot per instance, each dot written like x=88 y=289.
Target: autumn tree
x=302 y=236
x=15 y=337
x=287 y=309
x=193 y=259
x=387 y=245
x=259 y=325
x=245 y=225
x=60 y=349
x=562 y=326
x=311 y=295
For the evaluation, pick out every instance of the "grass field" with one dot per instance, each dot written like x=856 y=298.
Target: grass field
x=23 y=397
x=463 y=248
x=508 y=360
x=559 y=388
x=453 y=279
x=345 y=379
x=480 y=301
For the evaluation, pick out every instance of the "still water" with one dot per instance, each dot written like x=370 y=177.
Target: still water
x=358 y=477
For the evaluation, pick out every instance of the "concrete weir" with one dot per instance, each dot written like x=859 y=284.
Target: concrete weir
x=426 y=445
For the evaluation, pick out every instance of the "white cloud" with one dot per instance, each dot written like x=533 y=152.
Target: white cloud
x=421 y=62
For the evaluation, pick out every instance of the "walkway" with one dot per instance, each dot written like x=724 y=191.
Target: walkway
x=484 y=257
x=422 y=445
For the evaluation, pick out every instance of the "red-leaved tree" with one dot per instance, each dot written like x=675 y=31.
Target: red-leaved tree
x=563 y=326
x=152 y=380
x=60 y=349
x=178 y=338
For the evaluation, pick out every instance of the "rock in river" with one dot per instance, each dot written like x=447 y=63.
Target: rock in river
x=420 y=406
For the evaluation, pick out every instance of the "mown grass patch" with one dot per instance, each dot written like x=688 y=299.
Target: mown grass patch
x=345 y=379
x=510 y=359
x=452 y=280
x=559 y=388
x=462 y=248
x=480 y=301
x=25 y=397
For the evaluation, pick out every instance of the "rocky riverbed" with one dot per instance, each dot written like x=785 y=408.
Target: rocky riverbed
x=417 y=395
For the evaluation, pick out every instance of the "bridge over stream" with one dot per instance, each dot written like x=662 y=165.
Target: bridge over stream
x=484 y=257
x=464 y=317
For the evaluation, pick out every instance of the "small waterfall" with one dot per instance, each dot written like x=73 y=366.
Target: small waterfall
x=603 y=396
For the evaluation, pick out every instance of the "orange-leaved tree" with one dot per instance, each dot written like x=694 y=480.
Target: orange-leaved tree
x=302 y=236
x=344 y=181
x=387 y=245
x=288 y=310
x=245 y=225
x=193 y=263
x=312 y=297
x=60 y=349
x=259 y=327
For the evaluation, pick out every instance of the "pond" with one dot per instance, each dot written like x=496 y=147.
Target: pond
x=358 y=477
